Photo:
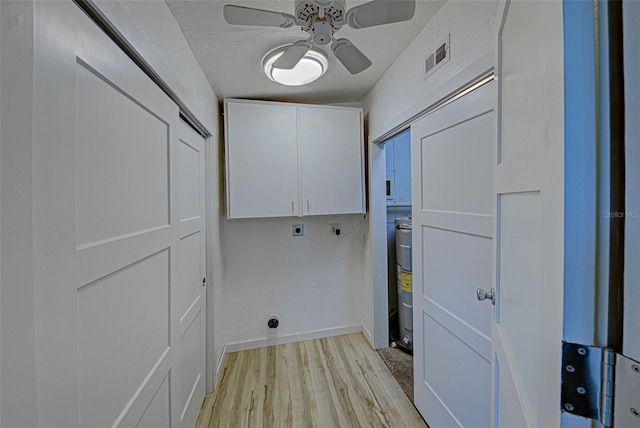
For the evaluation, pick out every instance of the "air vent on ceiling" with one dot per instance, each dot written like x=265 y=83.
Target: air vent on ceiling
x=437 y=57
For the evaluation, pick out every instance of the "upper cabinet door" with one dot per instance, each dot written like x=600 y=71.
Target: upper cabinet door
x=262 y=160
x=331 y=160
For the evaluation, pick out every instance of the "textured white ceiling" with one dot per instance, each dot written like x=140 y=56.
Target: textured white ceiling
x=231 y=56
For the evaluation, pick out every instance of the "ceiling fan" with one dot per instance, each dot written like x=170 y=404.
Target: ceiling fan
x=321 y=19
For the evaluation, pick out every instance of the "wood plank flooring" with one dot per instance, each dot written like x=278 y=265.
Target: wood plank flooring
x=334 y=382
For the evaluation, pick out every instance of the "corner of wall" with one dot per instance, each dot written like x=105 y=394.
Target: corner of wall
x=368 y=336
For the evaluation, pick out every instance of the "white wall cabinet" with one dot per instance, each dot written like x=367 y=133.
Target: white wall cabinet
x=287 y=159
x=262 y=160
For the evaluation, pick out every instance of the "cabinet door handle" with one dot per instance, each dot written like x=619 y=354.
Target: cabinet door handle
x=292 y=208
x=308 y=210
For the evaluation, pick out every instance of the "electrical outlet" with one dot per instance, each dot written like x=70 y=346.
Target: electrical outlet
x=297 y=230
x=336 y=228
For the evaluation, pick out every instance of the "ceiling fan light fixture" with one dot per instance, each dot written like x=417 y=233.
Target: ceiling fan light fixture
x=309 y=69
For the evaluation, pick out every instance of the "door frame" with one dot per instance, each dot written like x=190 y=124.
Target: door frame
x=587 y=179
x=581 y=174
x=212 y=168
x=631 y=12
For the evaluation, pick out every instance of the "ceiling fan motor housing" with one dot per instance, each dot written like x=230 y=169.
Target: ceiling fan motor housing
x=321 y=32
x=321 y=28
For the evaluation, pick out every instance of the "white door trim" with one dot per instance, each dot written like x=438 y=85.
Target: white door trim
x=209 y=184
x=581 y=158
x=632 y=227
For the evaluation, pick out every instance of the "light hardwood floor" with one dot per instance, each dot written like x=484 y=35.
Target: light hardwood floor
x=334 y=382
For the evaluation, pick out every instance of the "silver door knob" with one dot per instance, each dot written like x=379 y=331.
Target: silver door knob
x=484 y=295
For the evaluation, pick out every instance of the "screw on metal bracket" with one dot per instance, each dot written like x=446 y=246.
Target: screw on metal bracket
x=568 y=407
x=581 y=390
x=582 y=351
x=635 y=412
x=570 y=369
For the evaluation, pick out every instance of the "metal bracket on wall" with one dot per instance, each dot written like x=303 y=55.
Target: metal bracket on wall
x=599 y=384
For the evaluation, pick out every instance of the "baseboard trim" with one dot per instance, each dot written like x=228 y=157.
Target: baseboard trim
x=368 y=335
x=292 y=338
x=216 y=378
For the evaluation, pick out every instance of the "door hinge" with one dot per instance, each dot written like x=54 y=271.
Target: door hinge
x=599 y=384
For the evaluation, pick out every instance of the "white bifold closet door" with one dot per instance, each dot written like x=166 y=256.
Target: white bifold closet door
x=118 y=236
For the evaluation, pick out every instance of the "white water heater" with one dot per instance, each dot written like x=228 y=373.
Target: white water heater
x=405 y=281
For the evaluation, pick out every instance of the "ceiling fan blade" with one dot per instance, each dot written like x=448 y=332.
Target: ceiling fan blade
x=350 y=56
x=380 y=12
x=240 y=15
x=292 y=56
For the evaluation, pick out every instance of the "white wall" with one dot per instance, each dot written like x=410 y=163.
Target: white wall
x=401 y=93
x=312 y=283
x=402 y=89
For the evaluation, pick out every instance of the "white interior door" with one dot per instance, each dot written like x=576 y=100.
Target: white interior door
x=529 y=203
x=451 y=151
x=192 y=291
x=118 y=250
